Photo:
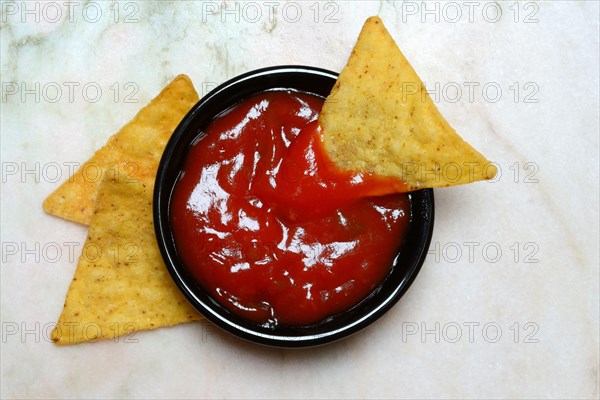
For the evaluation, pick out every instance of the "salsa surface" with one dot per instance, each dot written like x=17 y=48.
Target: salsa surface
x=268 y=225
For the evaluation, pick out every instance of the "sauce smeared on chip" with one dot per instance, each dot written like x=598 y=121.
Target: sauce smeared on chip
x=270 y=227
x=380 y=118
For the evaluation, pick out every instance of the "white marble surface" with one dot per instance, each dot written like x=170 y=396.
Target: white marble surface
x=542 y=213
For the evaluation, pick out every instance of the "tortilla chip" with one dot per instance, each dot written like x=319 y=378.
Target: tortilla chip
x=380 y=119
x=121 y=285
x=134 y=151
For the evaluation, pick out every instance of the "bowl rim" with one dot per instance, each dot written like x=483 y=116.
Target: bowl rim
x=210 y=309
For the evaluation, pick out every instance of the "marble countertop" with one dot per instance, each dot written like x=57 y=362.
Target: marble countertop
x=507 y=302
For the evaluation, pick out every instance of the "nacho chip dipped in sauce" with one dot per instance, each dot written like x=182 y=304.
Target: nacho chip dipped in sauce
x=380 y=118
x=270 y=227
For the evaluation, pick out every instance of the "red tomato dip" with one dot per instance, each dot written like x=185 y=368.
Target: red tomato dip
x=268 y=225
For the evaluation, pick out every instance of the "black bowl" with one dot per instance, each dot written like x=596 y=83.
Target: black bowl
x=405 y=266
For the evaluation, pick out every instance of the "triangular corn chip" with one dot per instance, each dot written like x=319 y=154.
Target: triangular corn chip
x=121 y=285
x=380 y=119
x=134 y=151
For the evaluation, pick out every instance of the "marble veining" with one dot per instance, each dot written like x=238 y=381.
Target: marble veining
x=507 y=303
